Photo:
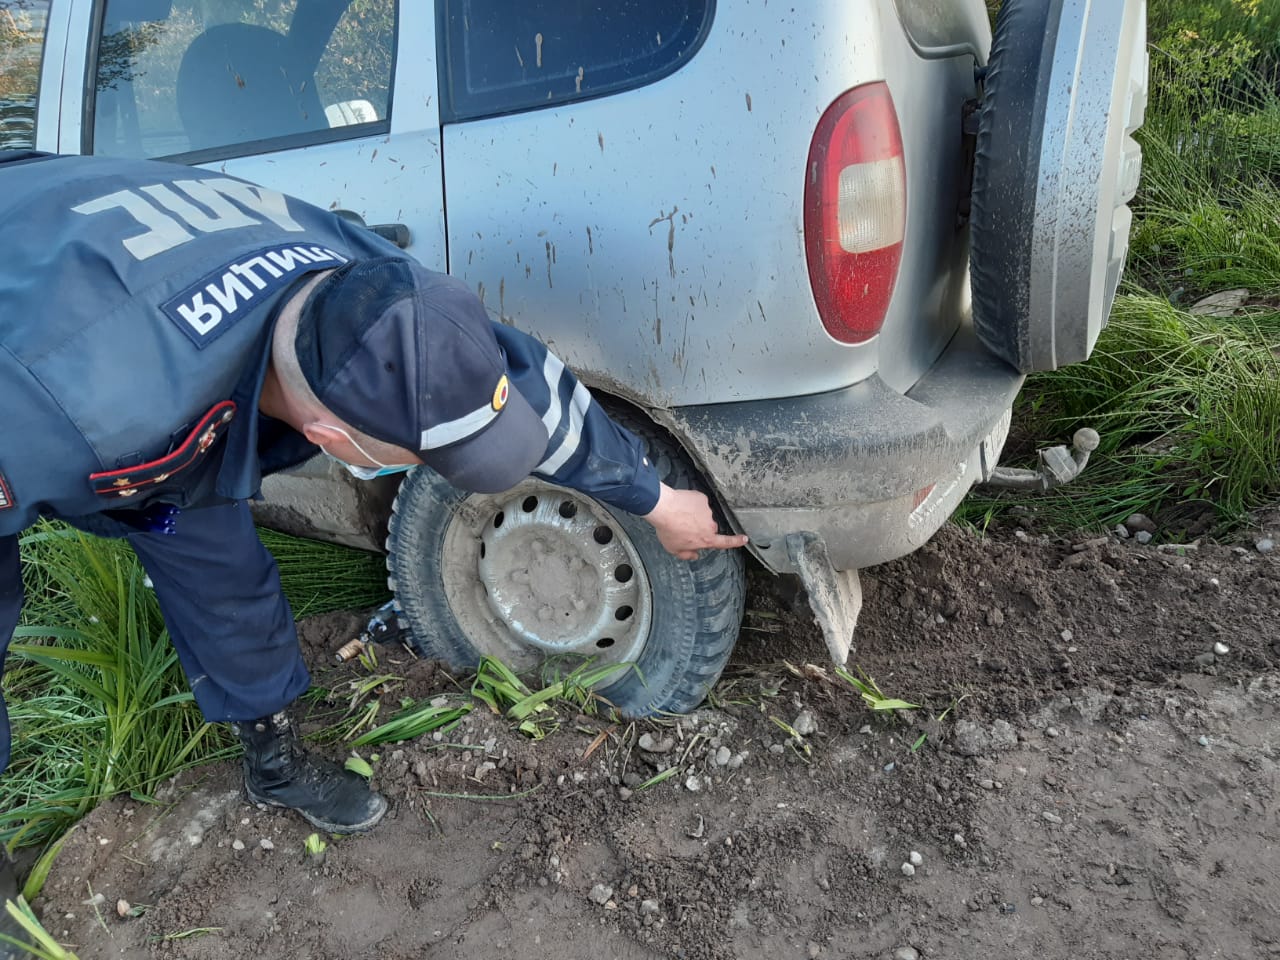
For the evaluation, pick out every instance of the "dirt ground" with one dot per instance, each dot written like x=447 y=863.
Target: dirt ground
x=1104 y=785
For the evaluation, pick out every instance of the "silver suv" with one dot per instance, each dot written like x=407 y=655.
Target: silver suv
x=808 y=251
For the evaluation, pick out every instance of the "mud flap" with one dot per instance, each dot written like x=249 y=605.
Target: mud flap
x=834 y=595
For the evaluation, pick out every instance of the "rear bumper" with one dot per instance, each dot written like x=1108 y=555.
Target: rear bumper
x=853 y=465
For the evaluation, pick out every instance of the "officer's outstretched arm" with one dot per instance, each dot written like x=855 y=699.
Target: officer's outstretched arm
x=589 y=452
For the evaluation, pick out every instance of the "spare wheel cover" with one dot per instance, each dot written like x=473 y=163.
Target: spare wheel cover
x=1056 y=168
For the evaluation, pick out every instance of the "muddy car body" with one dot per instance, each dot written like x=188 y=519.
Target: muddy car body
x=753 y=230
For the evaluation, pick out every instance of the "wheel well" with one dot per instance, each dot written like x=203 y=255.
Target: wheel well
x=631 y=414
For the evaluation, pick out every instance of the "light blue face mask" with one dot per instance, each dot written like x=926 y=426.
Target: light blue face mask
x=365 y=473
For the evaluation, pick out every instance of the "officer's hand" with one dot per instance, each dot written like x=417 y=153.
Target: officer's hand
x=685 y=524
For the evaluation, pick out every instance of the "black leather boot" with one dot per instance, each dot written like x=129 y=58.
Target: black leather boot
x=9 y=926
x=279 y=773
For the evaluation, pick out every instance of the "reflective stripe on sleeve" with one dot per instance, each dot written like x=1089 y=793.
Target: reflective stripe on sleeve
x=552 y=370
x=577 y=411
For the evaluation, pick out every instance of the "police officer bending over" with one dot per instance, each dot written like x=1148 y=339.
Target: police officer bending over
x=174 y=335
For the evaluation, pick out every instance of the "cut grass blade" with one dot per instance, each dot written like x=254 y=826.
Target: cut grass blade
x=414 y=722
x=40 y=945
x=871 y=693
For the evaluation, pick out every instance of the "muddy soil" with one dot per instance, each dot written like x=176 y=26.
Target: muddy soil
x=1103 y=784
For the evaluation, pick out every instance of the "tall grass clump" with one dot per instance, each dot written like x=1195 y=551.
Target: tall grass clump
x=1188 y=408
x=319 y=577
x=97 y=702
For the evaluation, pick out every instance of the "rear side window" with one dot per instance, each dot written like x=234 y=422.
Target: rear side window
x=22 y=28
x=500 y=56
x=210 y=79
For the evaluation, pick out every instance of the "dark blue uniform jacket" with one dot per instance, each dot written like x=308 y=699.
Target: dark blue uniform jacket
x=137 y=300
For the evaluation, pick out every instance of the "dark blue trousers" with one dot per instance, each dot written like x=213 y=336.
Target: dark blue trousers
x=219 y=591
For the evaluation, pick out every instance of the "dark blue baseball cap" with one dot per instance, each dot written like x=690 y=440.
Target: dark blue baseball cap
x=408 y=356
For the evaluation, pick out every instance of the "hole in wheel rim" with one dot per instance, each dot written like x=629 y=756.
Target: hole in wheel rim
x=604 y=643
x=568 y=509
x=497 y=521
x=602 y=535
x=623 y=612
x=623 y=572
x=530 y=504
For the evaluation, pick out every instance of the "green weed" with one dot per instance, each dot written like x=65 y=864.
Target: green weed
x=534 y=712
x=871 y=693
x=314 y=846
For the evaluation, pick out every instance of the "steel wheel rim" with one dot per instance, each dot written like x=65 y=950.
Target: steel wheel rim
x=539 y=573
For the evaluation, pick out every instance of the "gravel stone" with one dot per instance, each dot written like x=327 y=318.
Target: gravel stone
x=1051 y=817
x=1205 y=659
x=1140 y=523
x=1203 y=741
x=648 y=907
x=1221 y=649
x=805 y=724
x=1122 y=531
x=723 y=756
x=266 y=844
x=1265 y=545
x=906 y=953
x=1003 y=736
x=1051 y=732
x=908 y=870
x=1036 y=901
x=601 y=894
x=968 y=739
x=237 y=844
x=649 y=744
x=915 y=858
x=1142 y=536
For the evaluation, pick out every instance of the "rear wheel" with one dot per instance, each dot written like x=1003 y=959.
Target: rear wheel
x=543 y=574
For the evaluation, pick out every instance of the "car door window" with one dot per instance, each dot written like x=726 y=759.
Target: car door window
x=204 y=80
x=499 y=56
x=22 y=30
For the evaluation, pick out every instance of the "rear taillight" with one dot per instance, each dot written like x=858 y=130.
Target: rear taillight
x=855 y=212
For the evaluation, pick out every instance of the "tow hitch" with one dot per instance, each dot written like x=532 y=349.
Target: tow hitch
x=1058 y=465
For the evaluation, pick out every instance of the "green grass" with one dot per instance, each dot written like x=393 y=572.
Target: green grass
x=320 y=577
x=97 y=701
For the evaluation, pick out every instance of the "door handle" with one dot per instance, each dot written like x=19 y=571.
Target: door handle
x=397 y=233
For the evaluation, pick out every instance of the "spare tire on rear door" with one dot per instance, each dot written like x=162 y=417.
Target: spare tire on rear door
x=1056 y=168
